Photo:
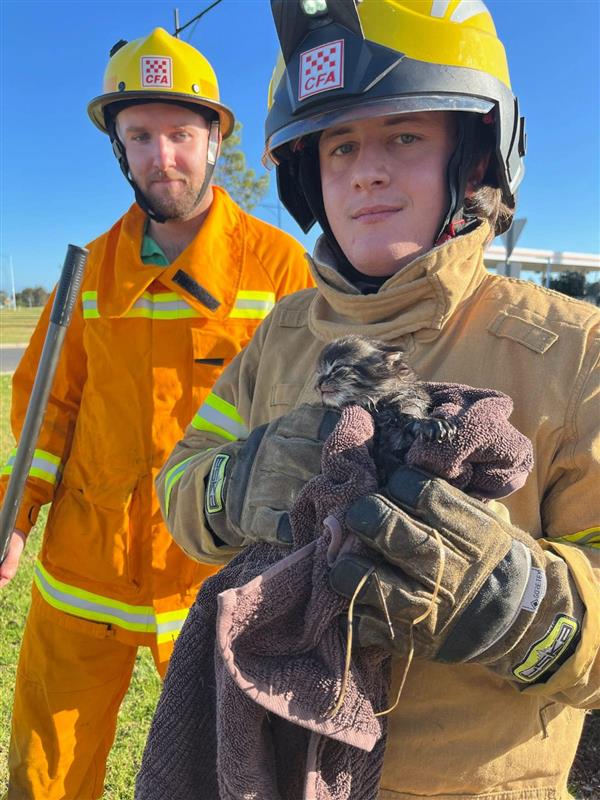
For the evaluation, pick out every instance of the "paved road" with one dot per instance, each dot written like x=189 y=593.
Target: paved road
x=10 y=357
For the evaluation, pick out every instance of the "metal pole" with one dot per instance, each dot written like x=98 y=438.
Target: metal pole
x=12 y=276
x=176 y=12
x=60 y=316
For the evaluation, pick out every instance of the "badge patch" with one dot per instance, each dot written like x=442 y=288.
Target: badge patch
x=157 y=71
x=535 y=590
x=216 y=479
x=321 y=69
x=544 y=653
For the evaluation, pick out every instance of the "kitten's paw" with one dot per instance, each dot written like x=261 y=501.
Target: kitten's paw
x=433 y=429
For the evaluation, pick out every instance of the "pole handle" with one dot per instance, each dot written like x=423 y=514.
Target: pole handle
x=69 y=284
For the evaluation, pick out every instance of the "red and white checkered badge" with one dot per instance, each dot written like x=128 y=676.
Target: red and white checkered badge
x=321 y=69
x=157 y=71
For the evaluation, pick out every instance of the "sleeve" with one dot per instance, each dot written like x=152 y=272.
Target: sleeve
x=54 y=441
x=223 y=418
x=571 y=517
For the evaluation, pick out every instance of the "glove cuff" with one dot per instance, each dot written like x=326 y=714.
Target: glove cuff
x=514 y=584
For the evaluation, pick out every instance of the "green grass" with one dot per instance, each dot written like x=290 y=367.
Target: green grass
x=16 y=326
x=138 y=706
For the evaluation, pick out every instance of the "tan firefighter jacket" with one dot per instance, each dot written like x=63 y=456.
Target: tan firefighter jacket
x=459 y=731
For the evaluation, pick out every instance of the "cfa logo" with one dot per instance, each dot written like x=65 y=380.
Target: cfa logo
x=321 y=69
x=157 y=71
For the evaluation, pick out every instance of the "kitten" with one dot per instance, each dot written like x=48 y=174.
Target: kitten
x=357 y=370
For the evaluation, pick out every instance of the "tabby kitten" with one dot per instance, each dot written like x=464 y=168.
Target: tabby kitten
x=357 y=370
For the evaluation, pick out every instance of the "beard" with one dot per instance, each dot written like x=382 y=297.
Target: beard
x=179 y=207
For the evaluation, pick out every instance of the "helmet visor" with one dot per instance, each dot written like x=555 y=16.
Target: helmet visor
x=382 y=107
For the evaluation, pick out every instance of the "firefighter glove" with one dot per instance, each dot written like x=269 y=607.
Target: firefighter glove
x=252 y=484
x=469 y=585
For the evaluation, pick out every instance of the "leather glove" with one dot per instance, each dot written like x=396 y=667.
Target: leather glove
x=502 y=600
x=253 y=483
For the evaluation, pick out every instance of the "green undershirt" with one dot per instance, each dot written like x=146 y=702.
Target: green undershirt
x=152 y=252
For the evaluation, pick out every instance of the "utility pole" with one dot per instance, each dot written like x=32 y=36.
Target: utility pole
x=12 y=277
x=510 y=240
x=179 y=28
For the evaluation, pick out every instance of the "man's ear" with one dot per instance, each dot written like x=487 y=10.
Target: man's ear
x=477 y=173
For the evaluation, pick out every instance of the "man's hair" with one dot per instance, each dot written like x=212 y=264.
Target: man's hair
x=486 y=201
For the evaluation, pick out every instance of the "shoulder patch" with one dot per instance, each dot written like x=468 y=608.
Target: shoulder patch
x=509 y=326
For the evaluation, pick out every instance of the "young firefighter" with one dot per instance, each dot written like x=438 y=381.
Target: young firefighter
x=172 y=292
x=392 y=124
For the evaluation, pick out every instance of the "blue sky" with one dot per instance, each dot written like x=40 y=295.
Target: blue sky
x=60 y=182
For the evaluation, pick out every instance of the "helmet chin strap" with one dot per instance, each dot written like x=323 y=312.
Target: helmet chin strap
x=140 y=198
x=457 y=175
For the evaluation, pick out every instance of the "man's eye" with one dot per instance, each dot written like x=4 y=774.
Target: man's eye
x=140 y=137
x=343 y=149
x=406 y=138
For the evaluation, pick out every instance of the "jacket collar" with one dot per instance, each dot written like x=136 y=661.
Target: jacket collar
x=206 y=275
x=420 y=297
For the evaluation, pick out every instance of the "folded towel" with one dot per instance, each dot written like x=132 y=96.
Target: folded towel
x=488 y=457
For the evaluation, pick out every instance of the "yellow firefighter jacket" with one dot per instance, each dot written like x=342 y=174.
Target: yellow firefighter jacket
x=145 y=346
x=459 y=731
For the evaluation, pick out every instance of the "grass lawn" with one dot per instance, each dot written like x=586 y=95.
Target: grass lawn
x=16 y=326
x=138 y=707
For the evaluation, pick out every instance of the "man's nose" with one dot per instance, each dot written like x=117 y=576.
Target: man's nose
x=370 y=169
x=164 y=153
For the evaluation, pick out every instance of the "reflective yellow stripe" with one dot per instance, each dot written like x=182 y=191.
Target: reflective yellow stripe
x=169 y=624
x=252 y=305
x=90 y=305
x=87 y=605
x=169 y=305
x=165 y=305
x=590 y=537
x=44 y=465
x=173 y=475
x=218 y=416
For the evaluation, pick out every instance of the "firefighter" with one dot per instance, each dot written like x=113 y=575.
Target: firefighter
x=172 y=292
x=393 y=124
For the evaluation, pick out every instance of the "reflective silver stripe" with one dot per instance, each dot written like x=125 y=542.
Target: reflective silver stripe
x=220 y=420
x=85 y=604
x=44 y=465
x=162 y=306
x=171 y=625
x=439 y=8
x=265 y=305
x=89 y=302
x=467 y=9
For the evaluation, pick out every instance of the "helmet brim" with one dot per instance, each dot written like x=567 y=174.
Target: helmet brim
x=380 y=107
x=96 y=106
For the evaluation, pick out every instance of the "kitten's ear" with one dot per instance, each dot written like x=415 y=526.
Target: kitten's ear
x=394 y=360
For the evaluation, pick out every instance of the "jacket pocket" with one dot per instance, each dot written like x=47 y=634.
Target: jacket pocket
x=212 y=351
x=88 y=531
x=285 y=394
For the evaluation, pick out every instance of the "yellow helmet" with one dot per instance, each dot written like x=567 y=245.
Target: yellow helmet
x=162 y=68
x=343 y=60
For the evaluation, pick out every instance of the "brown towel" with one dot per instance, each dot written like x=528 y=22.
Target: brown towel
x=277 y=665
x=279 y=637
x=488 y=457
